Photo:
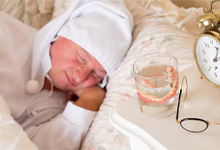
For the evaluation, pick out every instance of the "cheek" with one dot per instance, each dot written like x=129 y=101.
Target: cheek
x=63 y=62
x=62 y=58
x=91 y=81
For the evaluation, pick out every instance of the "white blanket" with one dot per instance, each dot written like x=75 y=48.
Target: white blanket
x=12 y=136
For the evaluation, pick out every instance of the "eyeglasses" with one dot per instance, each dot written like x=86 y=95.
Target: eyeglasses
x=195 y=125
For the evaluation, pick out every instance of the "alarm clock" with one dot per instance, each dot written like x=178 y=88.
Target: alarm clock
x=207 y=46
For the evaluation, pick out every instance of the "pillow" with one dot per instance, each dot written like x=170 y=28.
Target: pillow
x=160 y=26
x=38 y=12
x=60 y=6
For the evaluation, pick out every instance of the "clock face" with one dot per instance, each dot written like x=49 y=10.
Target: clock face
x=208 y=58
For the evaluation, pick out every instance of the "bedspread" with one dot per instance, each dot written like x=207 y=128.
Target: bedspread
x=35 y=13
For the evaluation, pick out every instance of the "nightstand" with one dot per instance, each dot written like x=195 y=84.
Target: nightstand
x=147 y=132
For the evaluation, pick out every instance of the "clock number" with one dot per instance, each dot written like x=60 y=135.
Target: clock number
x=207 y=45
x=204 y=52
x=209 y=68
x=205 y=60
x=211 y=42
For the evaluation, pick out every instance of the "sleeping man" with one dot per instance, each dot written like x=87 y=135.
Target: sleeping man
x=42 y=71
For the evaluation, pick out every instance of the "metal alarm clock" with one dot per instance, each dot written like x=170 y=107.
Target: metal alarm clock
x=207 y=46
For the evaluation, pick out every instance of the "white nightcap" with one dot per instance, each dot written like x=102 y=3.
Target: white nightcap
x=104 y=30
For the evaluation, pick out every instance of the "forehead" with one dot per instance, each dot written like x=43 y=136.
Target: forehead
x=89 y=57
x=71 y=47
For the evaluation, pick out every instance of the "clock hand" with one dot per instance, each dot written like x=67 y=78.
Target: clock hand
x=216 y=59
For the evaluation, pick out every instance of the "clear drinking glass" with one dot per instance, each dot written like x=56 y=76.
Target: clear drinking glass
x=157 y=83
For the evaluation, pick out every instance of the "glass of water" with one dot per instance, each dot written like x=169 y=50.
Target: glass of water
x=157 y=83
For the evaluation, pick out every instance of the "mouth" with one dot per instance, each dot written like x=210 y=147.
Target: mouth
x=70 y=81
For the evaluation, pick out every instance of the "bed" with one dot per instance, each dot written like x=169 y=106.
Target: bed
x=160 y=26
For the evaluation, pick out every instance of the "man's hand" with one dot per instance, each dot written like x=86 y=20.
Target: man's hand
x=90 y=98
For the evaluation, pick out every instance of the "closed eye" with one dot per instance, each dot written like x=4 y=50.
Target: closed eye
x=83 y=56
x=96 y=76
x=81 y=59
x=99 y=74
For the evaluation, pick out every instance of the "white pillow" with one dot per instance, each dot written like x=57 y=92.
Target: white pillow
x=159 y=27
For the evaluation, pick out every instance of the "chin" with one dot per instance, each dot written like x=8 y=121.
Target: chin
x=61 y=87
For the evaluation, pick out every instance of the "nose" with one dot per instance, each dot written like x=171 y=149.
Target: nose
x=81 y=74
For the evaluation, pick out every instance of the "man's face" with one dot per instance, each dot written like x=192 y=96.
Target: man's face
x=72 y=67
